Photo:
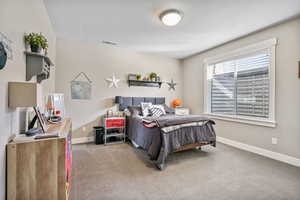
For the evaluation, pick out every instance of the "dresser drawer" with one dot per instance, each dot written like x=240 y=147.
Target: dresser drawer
x=111 y=123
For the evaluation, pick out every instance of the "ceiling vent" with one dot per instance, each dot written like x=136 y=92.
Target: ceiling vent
x=109 y=43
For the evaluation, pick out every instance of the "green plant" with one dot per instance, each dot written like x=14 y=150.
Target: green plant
x=152 y=75
x=138 y=76
x=36 y=39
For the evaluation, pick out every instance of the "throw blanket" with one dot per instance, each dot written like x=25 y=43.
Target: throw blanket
x=169 y=123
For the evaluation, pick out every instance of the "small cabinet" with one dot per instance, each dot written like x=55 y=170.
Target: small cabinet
x=41 y=169
x=37 y=65
x=114 y=130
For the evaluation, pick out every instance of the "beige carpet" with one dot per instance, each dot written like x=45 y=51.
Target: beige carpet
x=223 y=173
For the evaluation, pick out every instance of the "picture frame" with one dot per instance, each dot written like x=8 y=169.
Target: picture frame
x=132 y=77
x=41 y=119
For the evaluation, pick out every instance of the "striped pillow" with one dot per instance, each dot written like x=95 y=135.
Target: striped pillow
x=157 y=110
x=145 y=108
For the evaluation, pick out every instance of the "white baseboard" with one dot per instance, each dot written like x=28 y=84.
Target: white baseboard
x=83 y=140
x=263 y=152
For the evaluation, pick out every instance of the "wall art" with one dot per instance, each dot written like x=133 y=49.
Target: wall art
x=172 y=85
x=112 y=81
x=81 y=90
x=7 y=43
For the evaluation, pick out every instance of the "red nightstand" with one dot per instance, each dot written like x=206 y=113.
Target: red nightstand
x=114 y=130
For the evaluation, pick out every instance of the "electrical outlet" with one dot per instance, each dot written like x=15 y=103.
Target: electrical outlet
x=274 y=140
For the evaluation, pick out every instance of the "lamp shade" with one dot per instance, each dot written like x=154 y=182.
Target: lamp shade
x=22 y=94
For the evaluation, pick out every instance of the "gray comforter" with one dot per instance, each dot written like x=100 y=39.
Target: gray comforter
x=171 y=133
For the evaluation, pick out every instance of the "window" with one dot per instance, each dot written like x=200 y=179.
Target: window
x=240 y=85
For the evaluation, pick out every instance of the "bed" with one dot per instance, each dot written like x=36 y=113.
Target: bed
x=172 y=134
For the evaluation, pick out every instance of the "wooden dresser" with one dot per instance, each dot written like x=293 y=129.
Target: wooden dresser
x=41 y=169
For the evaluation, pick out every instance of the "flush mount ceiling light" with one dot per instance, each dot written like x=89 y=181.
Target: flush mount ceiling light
x=170 y=17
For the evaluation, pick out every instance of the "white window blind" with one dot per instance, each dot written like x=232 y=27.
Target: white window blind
x=241 y=86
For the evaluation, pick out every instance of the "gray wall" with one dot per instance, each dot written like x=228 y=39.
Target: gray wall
x=287 y=91
x=16 y=18
x=100 y=62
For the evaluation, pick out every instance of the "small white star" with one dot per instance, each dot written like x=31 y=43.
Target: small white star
x=171 y=85
x=113 y=81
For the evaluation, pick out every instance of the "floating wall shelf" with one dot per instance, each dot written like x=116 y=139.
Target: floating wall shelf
x=144 y=83
x=37 y=65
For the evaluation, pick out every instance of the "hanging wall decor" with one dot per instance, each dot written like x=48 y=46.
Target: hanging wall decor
x=81 y=90
x=112 y=81
x=7 y=43
x=3 y=56
x=172 y=85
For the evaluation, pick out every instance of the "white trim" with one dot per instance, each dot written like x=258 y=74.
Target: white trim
x=260 y=151
x=269 y=45
x=241 y=51
x=83 y=140
x=243 y=119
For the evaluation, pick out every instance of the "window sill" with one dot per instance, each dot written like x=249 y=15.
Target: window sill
x=245 y=120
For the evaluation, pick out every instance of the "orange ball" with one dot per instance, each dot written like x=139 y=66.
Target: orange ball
x=176 y=103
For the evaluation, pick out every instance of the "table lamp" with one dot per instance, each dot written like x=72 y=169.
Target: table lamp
x=24 y=94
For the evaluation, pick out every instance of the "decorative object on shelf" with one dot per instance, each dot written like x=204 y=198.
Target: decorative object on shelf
x=109 y=113
x=55 y=106
x=7 y=43
x=138 y=76
x=172 y=85
x=81 y=90
x=3 y=56
x=37 y=65
x=176 y=103
x=37 y=42
x=153 y=76
x=112 y=81
x=133 y=76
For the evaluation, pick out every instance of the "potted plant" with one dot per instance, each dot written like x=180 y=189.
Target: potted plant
x=153 y=76
x=37 y=42
x=138 y=77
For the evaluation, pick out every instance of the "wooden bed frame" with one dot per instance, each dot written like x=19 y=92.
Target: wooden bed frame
x=125 y=102
x=192 y=146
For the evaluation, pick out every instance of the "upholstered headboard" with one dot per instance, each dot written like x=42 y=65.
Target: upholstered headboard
x=125 y=102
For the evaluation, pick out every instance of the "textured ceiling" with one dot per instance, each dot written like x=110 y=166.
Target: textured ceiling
x=134 y=24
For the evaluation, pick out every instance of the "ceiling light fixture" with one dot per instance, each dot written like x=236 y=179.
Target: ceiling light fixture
x=171 y=17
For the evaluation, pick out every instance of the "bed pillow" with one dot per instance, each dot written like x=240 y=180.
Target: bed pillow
x=157 y=110
x=145 y=108
x=135 y=110
x=168 y=109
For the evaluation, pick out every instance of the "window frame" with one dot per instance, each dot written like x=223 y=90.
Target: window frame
x=269 y=45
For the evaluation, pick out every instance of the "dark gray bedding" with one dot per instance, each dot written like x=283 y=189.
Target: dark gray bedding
x=172 y=133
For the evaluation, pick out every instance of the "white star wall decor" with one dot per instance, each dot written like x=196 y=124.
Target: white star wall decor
x=112 y=81
x=171 y=85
